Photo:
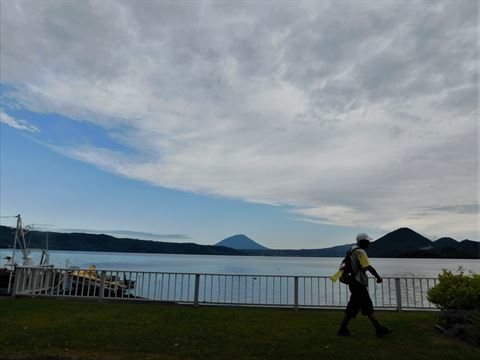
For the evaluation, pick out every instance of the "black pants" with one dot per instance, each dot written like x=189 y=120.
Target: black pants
x=359 y=300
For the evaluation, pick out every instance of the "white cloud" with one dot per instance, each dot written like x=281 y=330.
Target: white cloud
x=17 y=123
x=354 y=113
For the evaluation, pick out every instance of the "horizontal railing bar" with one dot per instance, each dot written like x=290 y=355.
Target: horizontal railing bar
x=214 y=274
x=283 y=305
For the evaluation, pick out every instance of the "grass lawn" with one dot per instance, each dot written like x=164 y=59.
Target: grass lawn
x=89 y=330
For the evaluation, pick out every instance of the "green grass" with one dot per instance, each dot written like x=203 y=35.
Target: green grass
x=90 y=330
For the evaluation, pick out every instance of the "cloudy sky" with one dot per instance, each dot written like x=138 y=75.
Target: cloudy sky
x=297 y=123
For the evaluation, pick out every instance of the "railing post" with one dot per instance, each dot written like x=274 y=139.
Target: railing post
x=103 y=275
x=295 y=295
x=16 y=281
x=197 y=289
x=46 y=280
x=34 y=282
x=399 y=294
x=9 y=287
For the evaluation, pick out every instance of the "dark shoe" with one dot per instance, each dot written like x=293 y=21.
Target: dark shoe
x=382 y=331
x=344 y=332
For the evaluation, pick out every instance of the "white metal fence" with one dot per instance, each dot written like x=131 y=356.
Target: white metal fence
x=221 y=289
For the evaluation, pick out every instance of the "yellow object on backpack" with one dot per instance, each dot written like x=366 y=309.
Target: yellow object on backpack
x=336 y=276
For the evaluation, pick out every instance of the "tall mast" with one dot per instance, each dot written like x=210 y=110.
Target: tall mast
x=19 y=224
x=16 y=239
x=23 y=244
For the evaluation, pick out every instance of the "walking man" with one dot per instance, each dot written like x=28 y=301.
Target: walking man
x=360 y=298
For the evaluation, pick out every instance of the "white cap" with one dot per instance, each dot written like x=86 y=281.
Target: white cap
x=363 y=236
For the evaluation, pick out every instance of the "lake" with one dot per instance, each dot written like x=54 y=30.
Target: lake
x=261 y=265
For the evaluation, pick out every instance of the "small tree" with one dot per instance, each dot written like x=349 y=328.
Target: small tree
x=458 y=296
x=456 y=291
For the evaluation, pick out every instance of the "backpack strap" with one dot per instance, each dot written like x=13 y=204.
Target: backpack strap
x=350 y=253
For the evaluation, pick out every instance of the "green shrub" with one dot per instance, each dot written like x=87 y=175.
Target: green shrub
x=458 y=291
x=458 y=296
x=473 y=328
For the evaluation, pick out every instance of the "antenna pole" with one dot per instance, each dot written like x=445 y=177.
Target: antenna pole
x=12 y=265
x=25 y=248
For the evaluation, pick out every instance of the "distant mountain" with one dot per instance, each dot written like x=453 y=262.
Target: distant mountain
x=397 y=242
x=469 y=248
x=241 y=242
x=402 y=242
x=405 y=242
x=335 y=251
x=445 y=242
x=102 y=242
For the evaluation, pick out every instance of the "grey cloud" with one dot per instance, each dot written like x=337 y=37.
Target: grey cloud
x=357 y=112
x=146 y=235
x=463 y=209
x=95 y=52
x=120 y=233
x=462 y=100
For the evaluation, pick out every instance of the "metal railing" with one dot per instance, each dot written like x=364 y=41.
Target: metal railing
x=217 y=289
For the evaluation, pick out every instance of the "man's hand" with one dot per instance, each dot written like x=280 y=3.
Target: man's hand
x=379 y=280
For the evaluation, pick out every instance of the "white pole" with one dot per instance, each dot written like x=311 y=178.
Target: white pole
x=12 y=266
x=26 y=260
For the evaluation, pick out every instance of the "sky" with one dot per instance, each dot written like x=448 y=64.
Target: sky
x=298 y=124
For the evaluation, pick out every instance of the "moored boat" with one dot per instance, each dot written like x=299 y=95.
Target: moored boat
x=7 y=271
x=90 y=282
x=82 y=282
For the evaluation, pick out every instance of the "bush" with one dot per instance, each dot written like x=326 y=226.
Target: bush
x=456 y=291
x=472 y=328
x=458 y=296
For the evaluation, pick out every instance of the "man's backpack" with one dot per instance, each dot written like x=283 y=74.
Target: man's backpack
x=347 y=269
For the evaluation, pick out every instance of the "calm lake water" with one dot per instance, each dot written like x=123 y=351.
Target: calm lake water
x=259 y=265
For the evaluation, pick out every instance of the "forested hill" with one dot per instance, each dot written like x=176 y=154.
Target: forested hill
x=102 y=242
x=241 y=242
x=405 y=242
x=402 y=242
